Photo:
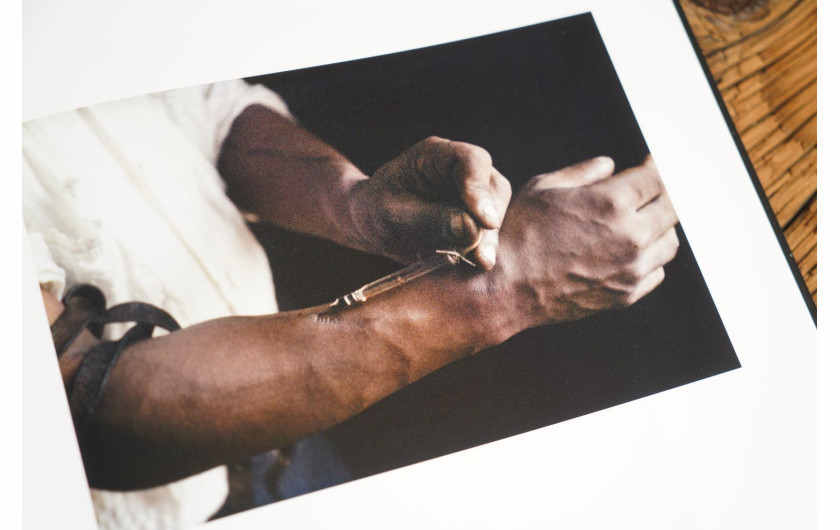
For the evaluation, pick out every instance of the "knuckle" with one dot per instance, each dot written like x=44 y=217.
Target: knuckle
x=649 y=284
x=478 y=154
x=675 y=247
x=426 y=152
x=633 y=274
x=631 y=198
x=629 y=249
x=636 y=242
x=623 y=298
x=538 y=182
x=543 y=200
x=433 y=140
x=631 y=298
x=604 y=204
x=415 y=157
x=628 y=199
x=473 y=161
x=503 y=187
x=673 y=239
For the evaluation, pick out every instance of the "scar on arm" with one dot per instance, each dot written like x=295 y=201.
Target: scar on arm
x=485 y=289
x=326 y=318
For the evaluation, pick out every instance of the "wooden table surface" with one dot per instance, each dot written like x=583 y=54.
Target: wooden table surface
x=763 y=57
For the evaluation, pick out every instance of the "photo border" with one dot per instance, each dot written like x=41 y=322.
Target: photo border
x=720 y=440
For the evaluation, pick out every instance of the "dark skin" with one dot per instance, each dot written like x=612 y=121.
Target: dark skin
x=573 y=242
x=437 y=194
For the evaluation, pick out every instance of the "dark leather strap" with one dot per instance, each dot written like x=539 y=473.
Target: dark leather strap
x=140 y=313
x=89 y=383
x=83 y=304
x=85 y=308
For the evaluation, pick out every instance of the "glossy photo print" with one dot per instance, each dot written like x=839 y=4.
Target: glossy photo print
x=261 y=288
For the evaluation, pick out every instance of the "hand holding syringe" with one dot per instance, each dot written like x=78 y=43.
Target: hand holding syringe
x=441 y=259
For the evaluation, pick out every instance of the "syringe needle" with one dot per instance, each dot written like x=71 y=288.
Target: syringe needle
x=441 y=259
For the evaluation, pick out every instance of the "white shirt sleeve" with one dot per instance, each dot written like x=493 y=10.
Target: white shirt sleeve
x=51 y=277
x=206 y=113
x=126 y=196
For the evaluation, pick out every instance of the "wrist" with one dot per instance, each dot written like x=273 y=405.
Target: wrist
x=488 y=303
x=361 y=222
x=518 y=303
x=347 y=210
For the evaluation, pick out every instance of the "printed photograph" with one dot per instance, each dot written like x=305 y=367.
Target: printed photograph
x=264 y=287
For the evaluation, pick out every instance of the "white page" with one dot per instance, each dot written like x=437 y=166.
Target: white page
x=733 y=451
x=829 y=391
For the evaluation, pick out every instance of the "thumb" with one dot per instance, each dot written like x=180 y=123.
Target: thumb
x=581 y=174
x=435 y=226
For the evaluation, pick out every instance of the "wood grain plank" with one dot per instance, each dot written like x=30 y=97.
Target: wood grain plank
x=717 y=32
x=789 y=75
x=755 y=53
x=786 y=192
x=763 y=58
x=799 y=235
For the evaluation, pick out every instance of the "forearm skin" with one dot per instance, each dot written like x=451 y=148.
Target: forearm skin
x=285 y=175
x=225 y=389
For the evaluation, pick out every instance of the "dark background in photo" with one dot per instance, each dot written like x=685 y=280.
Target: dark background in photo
x=538 y=99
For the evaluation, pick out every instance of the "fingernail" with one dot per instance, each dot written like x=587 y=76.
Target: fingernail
x=488 y=255
x=457 y=226
x=488 y=211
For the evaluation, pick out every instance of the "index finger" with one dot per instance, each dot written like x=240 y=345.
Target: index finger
x=469 y=168
x=639 y=185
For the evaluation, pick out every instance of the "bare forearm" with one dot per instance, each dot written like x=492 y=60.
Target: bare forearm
x=285 y=175
x=220 y=391
x=577 y=241
x=437 y=194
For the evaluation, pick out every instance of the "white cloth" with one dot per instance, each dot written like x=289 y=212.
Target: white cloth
x=126 y=196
